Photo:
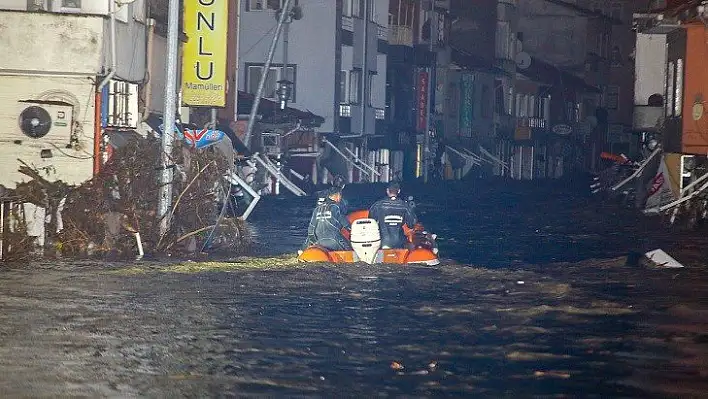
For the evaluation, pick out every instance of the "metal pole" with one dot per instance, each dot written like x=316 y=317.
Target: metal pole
x=238 y=42
x=365 y=80
x=428 y=121
x=264 y=74
x=213 y=118
x=165 y=198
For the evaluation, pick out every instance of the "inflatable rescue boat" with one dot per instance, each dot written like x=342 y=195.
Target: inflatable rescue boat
x=365 y=240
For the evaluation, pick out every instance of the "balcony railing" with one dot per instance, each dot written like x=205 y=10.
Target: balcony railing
x=532 y=122
x=400 y=35
x=382 y=32
x=347 y=23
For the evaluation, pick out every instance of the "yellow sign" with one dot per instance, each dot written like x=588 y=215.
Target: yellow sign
x=204 y=56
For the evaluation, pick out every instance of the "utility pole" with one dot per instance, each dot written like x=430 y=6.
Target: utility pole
x=264 y=74
x=428 y=119
x=165 y=196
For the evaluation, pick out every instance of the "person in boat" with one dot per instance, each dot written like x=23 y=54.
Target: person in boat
x=339 y=182
x=392 y=213
x=329 y=224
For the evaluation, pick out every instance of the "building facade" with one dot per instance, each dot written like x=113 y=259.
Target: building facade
x=59 y=55
x=336 y=59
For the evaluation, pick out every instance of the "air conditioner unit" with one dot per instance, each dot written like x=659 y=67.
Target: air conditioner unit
x=43 y=124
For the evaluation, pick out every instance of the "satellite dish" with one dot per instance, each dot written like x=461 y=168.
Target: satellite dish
x=523 y=60
x=35 y=122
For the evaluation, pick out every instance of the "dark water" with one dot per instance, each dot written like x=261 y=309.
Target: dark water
x=519 y=326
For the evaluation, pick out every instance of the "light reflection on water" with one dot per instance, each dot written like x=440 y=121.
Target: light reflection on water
x=334 y=331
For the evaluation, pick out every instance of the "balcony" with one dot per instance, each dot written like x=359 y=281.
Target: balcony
x=533 y=122
x=345 y=110
x=647 y=118
x=381 y=33
x=347 y=23
x=400 y=35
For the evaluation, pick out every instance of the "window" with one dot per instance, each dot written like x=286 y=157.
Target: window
x=532 y=106
x=372 y=11
x=354 y=86
x=343 y=86
x=670 y=89
x=261 y=5
x=486 y=102
x=347 y=8
x=70 y=5
x=356 y=8
x=612 y=97
x=370 y=87
x=678 y=96
x=271 y=84
x=503 y=40
x=616 y=10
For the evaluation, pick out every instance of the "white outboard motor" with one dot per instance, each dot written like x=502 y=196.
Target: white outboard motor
x=366 y=239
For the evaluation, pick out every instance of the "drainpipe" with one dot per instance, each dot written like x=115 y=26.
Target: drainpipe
x=97 y=134
x=148 y=86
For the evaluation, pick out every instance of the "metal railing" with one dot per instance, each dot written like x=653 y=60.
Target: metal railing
x=345 y=110
x=532 y=122
x=400 y=35
x=347 y=23
x=382 y=32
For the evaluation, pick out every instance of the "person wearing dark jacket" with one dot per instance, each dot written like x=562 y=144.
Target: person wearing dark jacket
x=392 y=213
x=328 y=223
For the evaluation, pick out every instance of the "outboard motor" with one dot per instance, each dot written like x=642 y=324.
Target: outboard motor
x=365 y=239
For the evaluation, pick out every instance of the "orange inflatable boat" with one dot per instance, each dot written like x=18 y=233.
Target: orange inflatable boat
x=365 y=240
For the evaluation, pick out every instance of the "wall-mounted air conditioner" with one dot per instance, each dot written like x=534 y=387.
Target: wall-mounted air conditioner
x=42 y=125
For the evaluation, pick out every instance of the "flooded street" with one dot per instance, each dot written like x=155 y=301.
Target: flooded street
x=533 y=299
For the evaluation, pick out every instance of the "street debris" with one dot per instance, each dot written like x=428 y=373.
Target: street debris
x=115 y=212
x=659 y=258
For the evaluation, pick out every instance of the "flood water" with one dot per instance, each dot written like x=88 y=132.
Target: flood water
x=533 y=299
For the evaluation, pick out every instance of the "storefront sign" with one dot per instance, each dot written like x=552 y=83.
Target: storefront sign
x=204 y=56
x=467 y=104
x=562 y=129
x=422 y=100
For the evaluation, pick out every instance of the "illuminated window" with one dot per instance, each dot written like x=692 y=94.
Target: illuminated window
x=678 y=89
x=670 y=89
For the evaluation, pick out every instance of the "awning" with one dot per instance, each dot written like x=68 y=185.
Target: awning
x=271 y=113
x=544 y=72
x=474 y=63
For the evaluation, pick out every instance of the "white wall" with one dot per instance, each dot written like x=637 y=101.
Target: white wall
x=131 y=49
x=87 y=6
x=649 y=67
x=55 y=43
x=311 y=48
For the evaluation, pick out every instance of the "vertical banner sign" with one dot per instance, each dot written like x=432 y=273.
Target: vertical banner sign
x=422 y=101
x=467 y=106
x=204 y=57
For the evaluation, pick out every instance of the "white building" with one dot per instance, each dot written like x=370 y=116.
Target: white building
x=337 y=62
x=57 y=54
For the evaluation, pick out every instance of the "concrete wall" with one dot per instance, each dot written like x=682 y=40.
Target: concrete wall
x=51 y=43
x=311 y=49
x=553 y=33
